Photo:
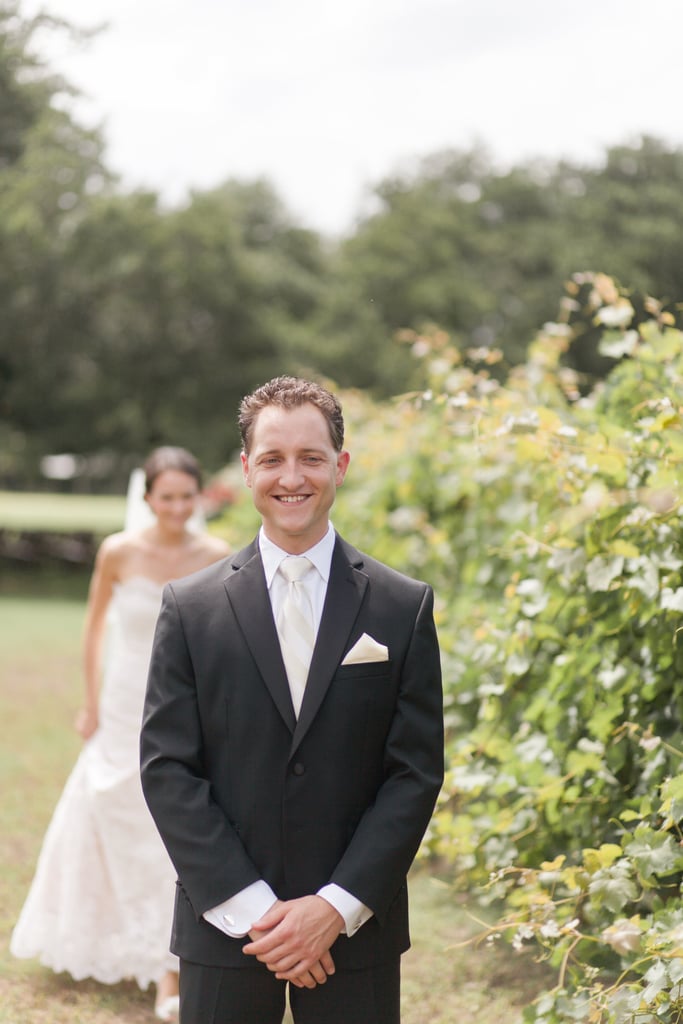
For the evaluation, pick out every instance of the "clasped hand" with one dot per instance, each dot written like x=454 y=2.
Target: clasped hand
x=293 y=940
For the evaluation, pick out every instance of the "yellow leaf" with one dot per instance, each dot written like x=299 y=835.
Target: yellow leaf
x=609 y=852
x=553 y=865
x=625 y=548
x=571 y=876
x=602 y=858
x=612 y=463
x=530 y=450
x=670 y=418
x=591 y=860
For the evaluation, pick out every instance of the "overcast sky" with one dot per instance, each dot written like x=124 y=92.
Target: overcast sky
x=327 y=97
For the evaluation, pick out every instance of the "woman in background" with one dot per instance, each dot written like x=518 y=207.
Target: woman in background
x=101 y=902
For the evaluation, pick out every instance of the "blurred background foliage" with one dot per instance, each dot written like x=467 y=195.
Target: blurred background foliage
x=126 y=323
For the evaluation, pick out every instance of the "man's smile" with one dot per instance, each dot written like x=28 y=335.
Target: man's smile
x=291 y=499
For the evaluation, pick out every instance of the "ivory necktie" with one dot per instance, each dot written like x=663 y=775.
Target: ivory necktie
x=295 y=626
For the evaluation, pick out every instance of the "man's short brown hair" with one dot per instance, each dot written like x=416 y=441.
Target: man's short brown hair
x=289 y=393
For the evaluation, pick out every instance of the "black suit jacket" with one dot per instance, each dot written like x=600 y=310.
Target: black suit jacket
x=241 y=790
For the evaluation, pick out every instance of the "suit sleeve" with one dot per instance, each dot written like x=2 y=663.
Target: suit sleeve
x=389 y=833
x=208 y=855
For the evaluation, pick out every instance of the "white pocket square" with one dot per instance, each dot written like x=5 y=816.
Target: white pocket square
x=366 y=649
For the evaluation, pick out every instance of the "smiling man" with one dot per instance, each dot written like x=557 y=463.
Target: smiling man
x=291 y=462
x=292 y=744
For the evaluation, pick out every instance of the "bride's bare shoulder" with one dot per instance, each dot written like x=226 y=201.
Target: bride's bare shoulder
x=118 y=547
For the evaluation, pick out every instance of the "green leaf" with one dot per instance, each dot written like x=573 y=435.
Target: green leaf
x=672 y=799
x=655 y=854
x=601 y=572
x=613 y=887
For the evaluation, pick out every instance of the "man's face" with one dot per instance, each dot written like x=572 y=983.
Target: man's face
x=293 y=470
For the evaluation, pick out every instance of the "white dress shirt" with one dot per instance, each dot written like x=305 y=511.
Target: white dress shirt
x=236 y=915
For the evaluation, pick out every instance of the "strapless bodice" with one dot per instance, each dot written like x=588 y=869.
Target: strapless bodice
x=132 y=619
x=134 y=610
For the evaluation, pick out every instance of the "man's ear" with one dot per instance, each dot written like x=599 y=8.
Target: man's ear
x=343 y=459
x=244 y=459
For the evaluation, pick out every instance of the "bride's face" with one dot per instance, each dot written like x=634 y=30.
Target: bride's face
x=173 y=498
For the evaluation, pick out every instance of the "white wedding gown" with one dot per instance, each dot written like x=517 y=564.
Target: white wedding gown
x=101 y=902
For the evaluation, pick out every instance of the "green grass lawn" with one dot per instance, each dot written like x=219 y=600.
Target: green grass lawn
x=91 y=513
x=40 y=689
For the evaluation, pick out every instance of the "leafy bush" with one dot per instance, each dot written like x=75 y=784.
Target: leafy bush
x=549 y=523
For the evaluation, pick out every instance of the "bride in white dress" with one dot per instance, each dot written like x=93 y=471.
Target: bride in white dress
x=101 y=902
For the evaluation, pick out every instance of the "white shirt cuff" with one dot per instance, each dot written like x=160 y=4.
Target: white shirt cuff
x=351 y=909
x=236 y=915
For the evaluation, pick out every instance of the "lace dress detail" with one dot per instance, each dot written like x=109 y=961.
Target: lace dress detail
x=101 y=902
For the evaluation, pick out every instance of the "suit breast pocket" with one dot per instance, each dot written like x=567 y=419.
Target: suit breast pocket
x=370 y=670
x=367 y=688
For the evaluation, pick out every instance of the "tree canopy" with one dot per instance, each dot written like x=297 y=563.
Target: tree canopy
x=127 y=323
x=484 y=253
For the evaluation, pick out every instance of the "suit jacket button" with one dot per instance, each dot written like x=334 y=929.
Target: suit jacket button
x=299 y=769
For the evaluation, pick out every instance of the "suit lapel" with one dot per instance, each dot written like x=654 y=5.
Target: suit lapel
x=345 y=591
x=248 y=596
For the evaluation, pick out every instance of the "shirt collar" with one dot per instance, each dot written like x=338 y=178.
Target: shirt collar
x=320 y=555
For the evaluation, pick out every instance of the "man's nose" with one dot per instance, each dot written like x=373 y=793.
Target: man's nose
x=291 y=474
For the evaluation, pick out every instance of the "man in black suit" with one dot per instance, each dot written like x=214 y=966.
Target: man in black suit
x=292 y=745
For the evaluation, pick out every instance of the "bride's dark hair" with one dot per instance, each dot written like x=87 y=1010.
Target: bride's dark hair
x=168 y=457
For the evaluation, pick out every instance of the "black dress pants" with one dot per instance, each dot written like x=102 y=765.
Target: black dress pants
x=252 y=995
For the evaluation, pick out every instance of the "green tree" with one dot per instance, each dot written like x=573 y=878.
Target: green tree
x=166 y=318
x=26 y=86
x=124 y=324
x=483 y=252
x=246 y=286
x=49 y=171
